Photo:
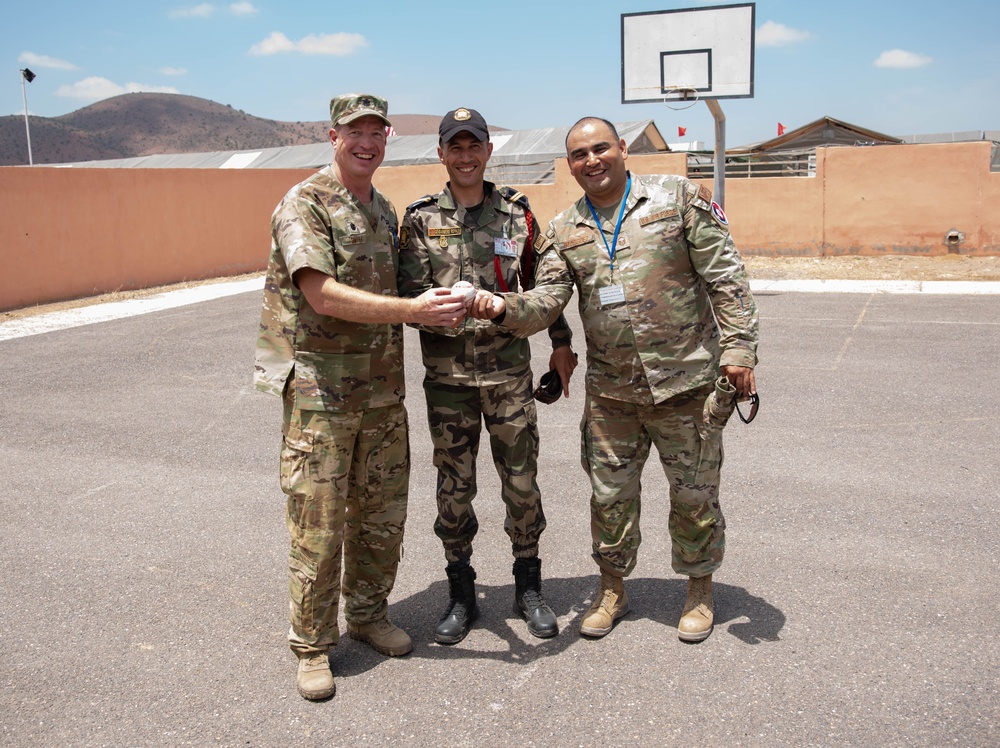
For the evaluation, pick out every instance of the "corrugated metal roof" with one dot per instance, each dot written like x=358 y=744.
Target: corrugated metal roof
x=514 y=150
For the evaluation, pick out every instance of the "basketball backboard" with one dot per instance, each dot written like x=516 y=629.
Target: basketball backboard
x=689 y=53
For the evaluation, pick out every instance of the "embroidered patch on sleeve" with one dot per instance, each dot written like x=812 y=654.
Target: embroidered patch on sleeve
x=718 y=214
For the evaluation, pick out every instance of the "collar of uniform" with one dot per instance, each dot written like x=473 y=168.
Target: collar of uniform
x=492 y=198
x=378 y=205
x=636 y=193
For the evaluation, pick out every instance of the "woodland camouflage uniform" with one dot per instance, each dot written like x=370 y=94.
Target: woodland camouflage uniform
x=478 y=371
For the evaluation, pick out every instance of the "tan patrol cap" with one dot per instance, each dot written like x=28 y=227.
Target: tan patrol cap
x=349 y=107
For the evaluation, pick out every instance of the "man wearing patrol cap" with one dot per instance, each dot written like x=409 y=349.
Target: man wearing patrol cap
x=485 y=235
x=668 y=315
x=330 y=345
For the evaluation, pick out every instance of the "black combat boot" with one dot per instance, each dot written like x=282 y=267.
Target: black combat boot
x=462 y=608
x=528 y=600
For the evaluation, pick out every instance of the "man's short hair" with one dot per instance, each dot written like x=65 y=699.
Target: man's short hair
x=592 y=121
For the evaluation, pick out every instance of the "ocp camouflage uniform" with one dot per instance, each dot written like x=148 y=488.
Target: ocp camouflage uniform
x=345 y=455
x=652 y=359
x=477 y=371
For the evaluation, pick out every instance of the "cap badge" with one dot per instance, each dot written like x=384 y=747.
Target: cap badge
x=462 y=114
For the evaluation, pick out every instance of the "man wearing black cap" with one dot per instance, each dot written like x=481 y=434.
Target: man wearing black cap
x=331 y=346
x=486 y=236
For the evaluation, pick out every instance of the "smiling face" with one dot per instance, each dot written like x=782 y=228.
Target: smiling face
x=465 y=159
x=597 y=161
x=359 y=148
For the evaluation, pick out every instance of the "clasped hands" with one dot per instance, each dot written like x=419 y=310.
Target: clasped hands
x=446 y=307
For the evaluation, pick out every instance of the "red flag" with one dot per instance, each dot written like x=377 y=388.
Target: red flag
x=681 y=132
x=781 y=129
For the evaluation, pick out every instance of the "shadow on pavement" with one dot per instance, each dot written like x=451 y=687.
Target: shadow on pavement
x=501 y=635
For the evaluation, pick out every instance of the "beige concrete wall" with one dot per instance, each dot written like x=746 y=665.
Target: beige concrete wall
x=69 y=233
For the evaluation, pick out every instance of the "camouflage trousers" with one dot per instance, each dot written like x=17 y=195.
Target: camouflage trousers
x=616 y=437
x=346 y=476
x=455 y=414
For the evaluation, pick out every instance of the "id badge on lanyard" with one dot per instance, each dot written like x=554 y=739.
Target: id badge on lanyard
x=613 y=294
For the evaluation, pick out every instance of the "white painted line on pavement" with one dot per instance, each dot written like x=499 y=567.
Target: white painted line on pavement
x=875 y=286
x=89 y=315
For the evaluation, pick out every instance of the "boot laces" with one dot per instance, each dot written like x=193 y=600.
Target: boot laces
x=532 y=599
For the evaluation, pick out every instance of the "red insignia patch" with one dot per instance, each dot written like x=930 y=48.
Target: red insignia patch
x=720 y=216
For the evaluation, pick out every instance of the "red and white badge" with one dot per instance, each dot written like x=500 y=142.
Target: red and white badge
x=719 y=214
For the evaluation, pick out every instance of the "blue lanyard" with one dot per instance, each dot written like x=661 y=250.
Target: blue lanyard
x=618 y=226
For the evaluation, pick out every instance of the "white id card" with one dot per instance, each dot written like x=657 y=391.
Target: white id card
x=505 y=247
x=612 y=294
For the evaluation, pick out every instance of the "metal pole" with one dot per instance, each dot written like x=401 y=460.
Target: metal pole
x=720 y=151
x=27 y=129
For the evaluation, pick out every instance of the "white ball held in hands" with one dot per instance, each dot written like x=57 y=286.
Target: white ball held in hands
x=467 y=290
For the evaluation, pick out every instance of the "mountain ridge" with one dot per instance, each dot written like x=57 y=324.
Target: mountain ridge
x=142 y=124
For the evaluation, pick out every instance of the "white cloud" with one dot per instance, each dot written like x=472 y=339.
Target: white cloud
x=242 y=9
x=902 y=60
x=44 y=61
x=95 y=89
x=773 y=34
x=173 y=71
x=204 y=10
x=315 y=44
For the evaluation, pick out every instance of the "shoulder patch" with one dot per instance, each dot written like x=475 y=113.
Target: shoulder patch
x=513 y=196
x=718 y=214
x=704 y=193
x=425 y=200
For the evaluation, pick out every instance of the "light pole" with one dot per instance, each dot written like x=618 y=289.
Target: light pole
x=27 y=76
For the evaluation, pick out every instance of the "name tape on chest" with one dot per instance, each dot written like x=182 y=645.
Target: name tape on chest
x=445 y=231
x=658 y=216
x=577 y=241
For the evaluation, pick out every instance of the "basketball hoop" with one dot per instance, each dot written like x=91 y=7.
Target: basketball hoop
x=688 y=96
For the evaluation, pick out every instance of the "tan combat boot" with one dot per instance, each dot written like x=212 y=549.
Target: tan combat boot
x=610 y=605
x=383 y=636
x=315 y=679
x=696 y=620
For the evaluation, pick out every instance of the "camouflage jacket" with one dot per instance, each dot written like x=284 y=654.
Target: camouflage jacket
x=329 y=363
x=687 y=305
x=440 y=244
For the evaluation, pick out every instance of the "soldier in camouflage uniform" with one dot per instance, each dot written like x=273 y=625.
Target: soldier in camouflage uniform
x=485 y=235
x=327 y=348
x=666 y=308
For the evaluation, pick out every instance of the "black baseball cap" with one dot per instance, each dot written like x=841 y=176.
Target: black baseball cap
x=462 y=119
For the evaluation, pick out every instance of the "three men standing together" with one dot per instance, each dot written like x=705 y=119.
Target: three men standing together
x=668 y=318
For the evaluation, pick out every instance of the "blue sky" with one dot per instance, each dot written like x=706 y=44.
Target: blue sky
x=895 y=67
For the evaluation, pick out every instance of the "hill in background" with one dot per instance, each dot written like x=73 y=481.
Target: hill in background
x=141 y=124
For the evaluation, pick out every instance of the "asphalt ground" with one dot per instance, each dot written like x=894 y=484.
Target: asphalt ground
x=143 y=594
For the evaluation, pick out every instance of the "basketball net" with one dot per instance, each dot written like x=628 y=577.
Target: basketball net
x=687 y=96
